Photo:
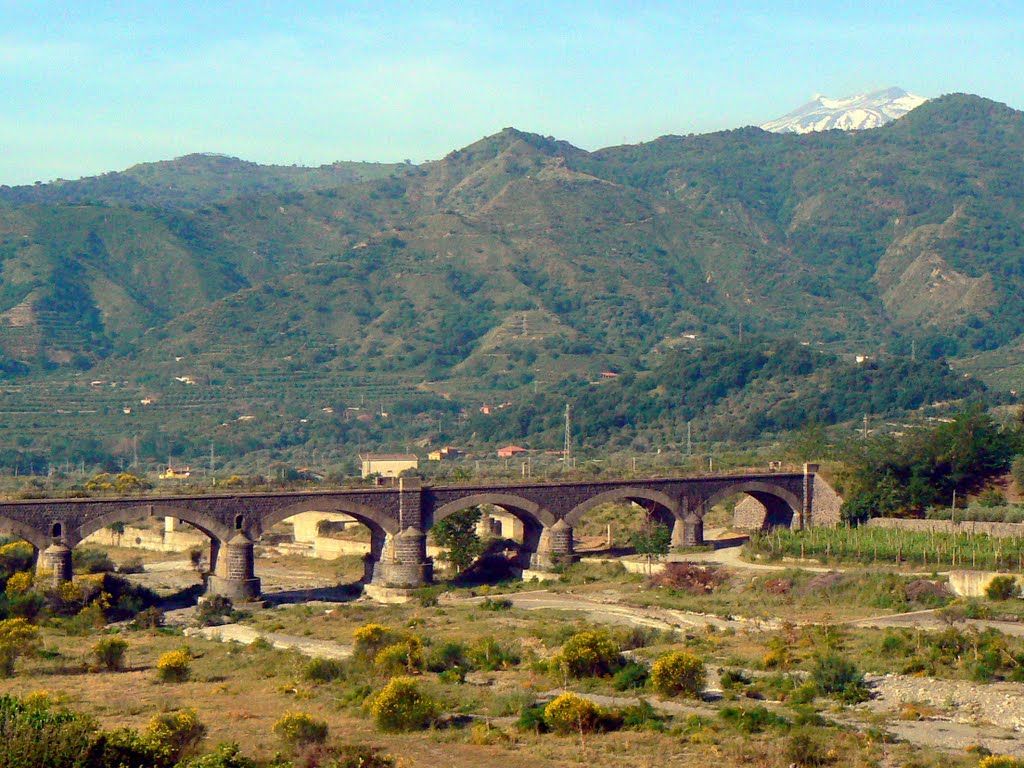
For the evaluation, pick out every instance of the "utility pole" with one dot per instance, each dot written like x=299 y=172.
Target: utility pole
x=567 y=448
x=689 y=442
x=135 y=450
x=865 y=426
x=211 y=458
x=913 y=350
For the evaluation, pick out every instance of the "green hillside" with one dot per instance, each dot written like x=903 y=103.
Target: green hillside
x=516 y=271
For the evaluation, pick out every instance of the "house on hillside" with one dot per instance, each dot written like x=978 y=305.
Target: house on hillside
x=444 y=454
x=176 y=473
x=388 y=464
x=509 y=451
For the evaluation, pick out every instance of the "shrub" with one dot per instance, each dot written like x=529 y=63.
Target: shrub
x=449 y=655
x=531 y=719
x=808 y=747
x=174 y=666
x=149 y=618
x=18 y=584
x=1001 y=588
x=497 y=604
x=1000 y=761
x=488 y=654
x=225 y=756
x=589 y=654
x=570 y=713
x=632 y=675
x=370 y=639
x=133 y=565
x=358 y=756
x=754 y=720
x=401 y=657
x=177 y=733
x=402 y=706
x=678 y=673
x=214 y=611
x=323 y=670
x=835 y=676
x=695 y=579
x=91 y=560
x=17 y=638
x=109 y=653
x=298 y=730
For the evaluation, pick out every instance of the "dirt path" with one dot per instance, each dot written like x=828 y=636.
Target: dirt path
x=610 y=610
x=239 y=633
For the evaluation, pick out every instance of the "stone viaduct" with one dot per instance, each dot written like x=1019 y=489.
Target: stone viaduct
x=400 y=517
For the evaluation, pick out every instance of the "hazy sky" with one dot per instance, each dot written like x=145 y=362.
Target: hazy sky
x=89 y=87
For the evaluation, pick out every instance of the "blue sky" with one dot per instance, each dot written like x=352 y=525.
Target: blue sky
x=90 y=87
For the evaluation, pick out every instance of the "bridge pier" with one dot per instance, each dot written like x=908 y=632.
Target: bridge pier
x=235 y=575
x=55 y=560
x=688 y=531
x=554 y=547
x=408 y=564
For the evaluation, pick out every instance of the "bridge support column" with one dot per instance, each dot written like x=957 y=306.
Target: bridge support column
x=408 y=565
x=236 y=572
x=55 y=560
x=554 y=548
x=688 y=531
x=373 y=561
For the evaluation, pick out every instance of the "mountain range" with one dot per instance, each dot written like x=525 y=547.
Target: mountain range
x=275 y=308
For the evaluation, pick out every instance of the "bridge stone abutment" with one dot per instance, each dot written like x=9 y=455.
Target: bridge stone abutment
x=55 y=563
x=234 y=575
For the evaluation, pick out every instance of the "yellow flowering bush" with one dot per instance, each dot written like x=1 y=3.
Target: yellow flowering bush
x=570 y=713
x=589 y=654
x=19 y=584
x=174 y=666
x=369 y=639
x=176 y=734
x=297 y=729
x=1000 y=761
x=401 y=657
x=402 y=706
x=677 y=673
x=17 y=638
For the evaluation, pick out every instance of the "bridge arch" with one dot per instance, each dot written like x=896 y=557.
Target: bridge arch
x=129 y=513
x=36 y=538
x=662 y=506
x=375 y=520
x=530 y=512
x=783 y=505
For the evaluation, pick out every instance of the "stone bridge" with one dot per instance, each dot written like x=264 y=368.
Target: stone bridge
x=399 y=518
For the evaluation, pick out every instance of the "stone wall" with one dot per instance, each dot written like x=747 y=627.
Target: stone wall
x=825 y=504
x=973 y=583
x=181 y=539
x=996 y=530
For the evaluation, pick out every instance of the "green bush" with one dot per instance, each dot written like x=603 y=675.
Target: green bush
x=488 y=654
x=358 y=756
x=448 y=655
x=323 y=670
x=298 y=730
x=589 y=654
x=1002 y=588
x=531 y=719
x=632 y=675
x=215 y=610
x=838 y=677
x=225 y=756
x=570 y=713
x=109 y=653
x=91 y=560
x=678 y=673
x=402 y=706
x=808 y=747
x=755 y=720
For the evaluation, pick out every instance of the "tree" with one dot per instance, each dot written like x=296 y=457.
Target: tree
x=457 y=537
x=652 y=539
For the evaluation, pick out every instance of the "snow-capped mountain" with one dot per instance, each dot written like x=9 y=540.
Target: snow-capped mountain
x=868 y=110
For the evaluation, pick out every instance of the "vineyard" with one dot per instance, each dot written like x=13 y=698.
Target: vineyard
x=931 y=550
